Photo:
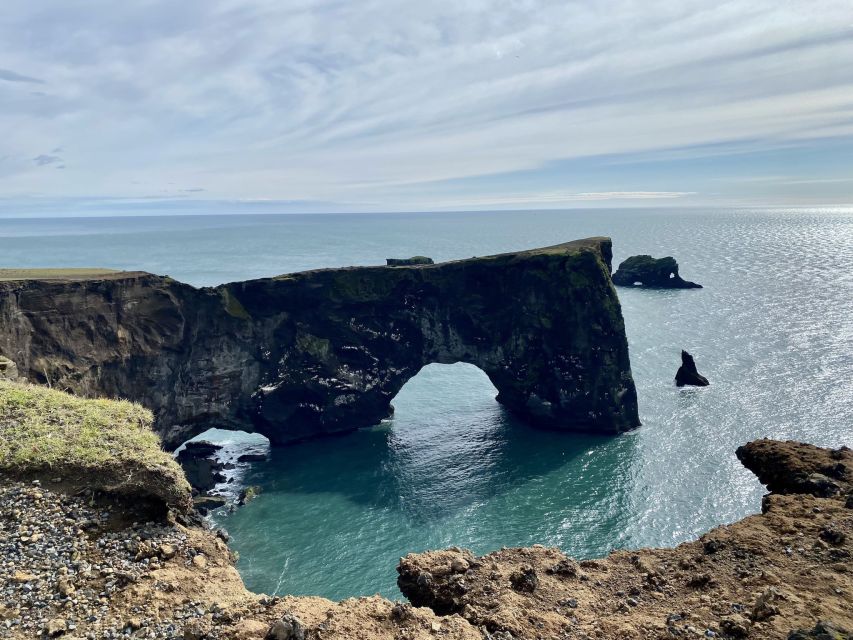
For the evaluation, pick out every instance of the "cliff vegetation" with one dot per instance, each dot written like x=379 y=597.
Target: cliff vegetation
x=104 y=445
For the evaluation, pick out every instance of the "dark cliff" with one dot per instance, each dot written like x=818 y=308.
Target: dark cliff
x=326 y=351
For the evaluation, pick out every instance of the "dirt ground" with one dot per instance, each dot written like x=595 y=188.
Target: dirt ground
x=767 y=576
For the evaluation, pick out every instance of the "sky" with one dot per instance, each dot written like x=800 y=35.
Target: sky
x=378 y=105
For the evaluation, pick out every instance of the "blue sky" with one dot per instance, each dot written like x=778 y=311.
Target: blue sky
x=290 y=105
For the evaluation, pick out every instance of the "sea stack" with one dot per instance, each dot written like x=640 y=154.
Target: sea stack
x=651 y=273
x=687 y=374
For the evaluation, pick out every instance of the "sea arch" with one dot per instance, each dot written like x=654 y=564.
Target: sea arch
x=325 y=351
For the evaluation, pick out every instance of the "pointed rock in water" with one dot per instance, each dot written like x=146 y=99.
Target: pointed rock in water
x=651 y=273
x=687 y=373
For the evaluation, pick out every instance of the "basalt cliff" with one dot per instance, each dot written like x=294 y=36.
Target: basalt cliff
x=324 y=351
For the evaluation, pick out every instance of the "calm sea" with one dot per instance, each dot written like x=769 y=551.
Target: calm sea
x=772 y=330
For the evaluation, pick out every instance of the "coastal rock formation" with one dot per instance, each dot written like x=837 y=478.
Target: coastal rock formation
x=326 y=351
x=651 y=273
x=8 y=369
x=687 y=373
x=793 y=467
x=785 y=573
x=202 y=469
x=408 y=262
x=766 y=576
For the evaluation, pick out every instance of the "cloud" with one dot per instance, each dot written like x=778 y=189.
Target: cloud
x=44 y=159
x=11 y=76
x=396 y=104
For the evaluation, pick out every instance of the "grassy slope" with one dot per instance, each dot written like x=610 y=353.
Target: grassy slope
x=55 y=274
x=100 y=444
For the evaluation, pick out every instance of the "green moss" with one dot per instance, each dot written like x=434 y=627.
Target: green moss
x=319 y=348
x=249 y=493
x=104 y=444
x=233 y=307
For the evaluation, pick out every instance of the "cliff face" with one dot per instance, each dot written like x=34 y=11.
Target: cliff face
x=326 y=351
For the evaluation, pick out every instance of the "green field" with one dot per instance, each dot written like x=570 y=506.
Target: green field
x=82 y=273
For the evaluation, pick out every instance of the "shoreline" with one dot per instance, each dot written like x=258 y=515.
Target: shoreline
x=767 y=575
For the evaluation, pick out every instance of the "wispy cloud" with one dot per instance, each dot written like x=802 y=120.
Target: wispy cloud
x=44 y=160
x=12 y=76
x=406 y=105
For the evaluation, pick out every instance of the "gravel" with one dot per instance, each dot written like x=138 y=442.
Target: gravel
x=64 y=563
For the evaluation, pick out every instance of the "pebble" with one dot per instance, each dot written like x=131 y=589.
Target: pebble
x=61 y=564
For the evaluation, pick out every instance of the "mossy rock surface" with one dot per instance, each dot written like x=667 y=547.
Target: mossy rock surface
x=325 y=351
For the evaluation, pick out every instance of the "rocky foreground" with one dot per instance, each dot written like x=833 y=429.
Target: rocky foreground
x=87 y=566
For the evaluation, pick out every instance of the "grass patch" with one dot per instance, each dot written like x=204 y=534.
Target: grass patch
x=233 y=307
x=105 y=445
x=55 y=274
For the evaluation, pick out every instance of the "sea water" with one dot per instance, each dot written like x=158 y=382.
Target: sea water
x=772 y=330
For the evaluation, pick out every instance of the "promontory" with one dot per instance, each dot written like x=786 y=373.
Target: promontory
x=325 y=351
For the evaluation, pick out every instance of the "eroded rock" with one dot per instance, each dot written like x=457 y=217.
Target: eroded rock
x=651 y=273
x=202 y=469
x=8 y=369
x=288 y=627
x=794 y=467
x=687 y=374
x=408 y=262
x=325 y=351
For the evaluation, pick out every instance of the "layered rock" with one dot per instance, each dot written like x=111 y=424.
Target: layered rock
x=326 y=351
x=651 y=273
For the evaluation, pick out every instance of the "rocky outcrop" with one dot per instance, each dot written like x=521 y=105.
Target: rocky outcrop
x=766 y=576
x=8 y=369
x=687 y=374
x=103 y=446
x=794 y=467
x=325 y=351
x=651 y=273
x=783 y=574
x=408 y=262
x=200 y=465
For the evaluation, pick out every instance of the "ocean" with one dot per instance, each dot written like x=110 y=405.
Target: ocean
x=772 y=330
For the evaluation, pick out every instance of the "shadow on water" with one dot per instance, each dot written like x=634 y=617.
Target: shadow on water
x=424 y=480
x=453 y=467
x=433 y=458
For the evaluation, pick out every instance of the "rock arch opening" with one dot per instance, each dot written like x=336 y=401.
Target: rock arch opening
x=446 y=394
x=321 y=352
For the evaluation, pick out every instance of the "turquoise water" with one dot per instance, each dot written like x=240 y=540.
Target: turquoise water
x=772 y=330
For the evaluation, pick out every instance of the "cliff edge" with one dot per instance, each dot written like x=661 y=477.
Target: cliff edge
x=78 y=563
x=325 y=351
